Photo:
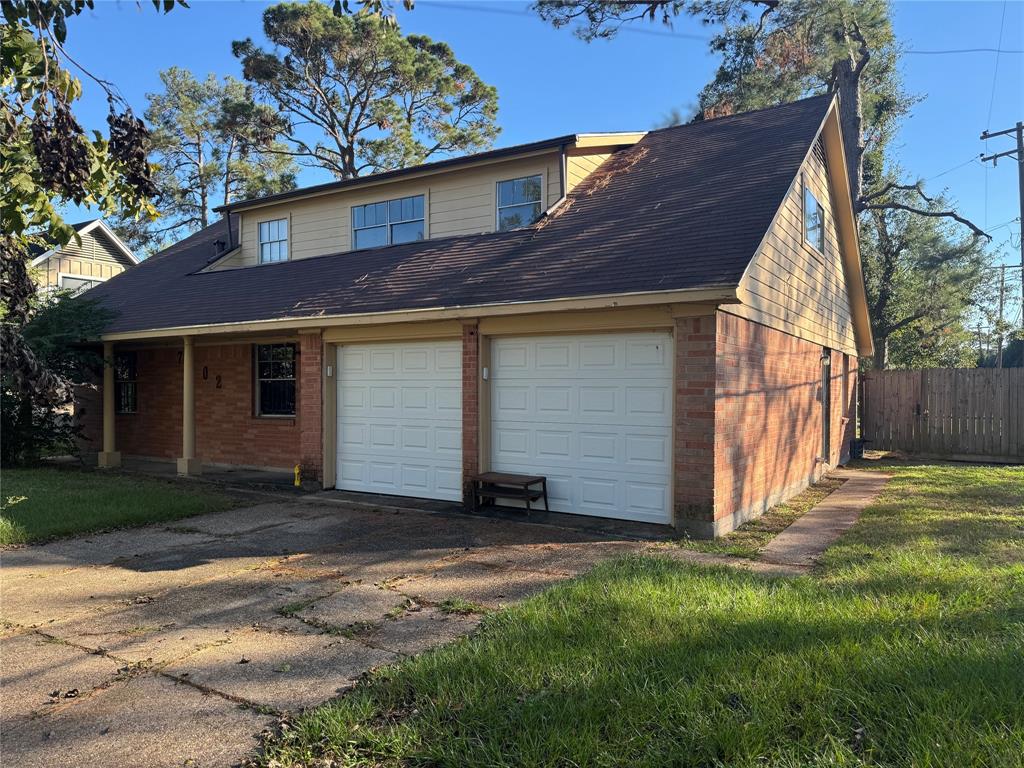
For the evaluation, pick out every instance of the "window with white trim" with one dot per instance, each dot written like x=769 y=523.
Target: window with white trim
x=126 y=389
x=76 y=284
x=275 y=379
x=519 y=202
x=388 y=223
x=814 y=221
x=273 y=241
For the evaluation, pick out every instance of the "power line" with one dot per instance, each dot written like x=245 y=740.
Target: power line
x=489 y=8
x=963 y=50
x=995 y=71
x=974 y=159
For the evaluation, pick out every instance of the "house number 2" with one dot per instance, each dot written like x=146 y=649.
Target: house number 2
x=206 y=376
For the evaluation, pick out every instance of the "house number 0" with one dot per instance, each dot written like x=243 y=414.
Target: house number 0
x=206 y=376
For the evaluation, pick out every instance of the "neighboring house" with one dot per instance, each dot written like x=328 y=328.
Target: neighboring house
x=79 y=267
x=666 y=325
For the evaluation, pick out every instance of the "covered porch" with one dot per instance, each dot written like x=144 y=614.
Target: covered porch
x=210 y=403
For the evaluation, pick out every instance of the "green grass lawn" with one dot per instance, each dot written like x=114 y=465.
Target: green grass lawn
x=751 y=537
x=905 y=648
x=63 y=502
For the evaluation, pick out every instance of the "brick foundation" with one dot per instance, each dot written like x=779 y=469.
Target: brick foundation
x=749 y=432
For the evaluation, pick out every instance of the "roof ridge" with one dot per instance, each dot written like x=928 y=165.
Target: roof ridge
x=736 y=115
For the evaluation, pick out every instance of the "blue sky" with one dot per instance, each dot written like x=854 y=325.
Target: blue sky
x=549 y=83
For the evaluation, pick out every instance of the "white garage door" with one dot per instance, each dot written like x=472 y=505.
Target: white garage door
x=400 y=419
x=593 y=413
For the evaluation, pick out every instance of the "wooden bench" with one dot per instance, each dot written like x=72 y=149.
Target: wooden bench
x=505 y=485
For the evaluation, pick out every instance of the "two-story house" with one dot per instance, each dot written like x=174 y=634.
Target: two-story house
x=79 y=266
x=666 y=325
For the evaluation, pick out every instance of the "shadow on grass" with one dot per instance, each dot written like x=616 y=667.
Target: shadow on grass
x=648 y=662
x=906 y=651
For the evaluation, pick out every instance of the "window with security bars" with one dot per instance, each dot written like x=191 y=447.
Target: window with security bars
x=275 y=379
x=126 y=389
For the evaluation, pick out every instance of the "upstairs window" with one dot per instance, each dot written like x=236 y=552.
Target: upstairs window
x=273 y=241
x=519 y=202
x=126 y=393
x=388 y=223
x=275 y=379
x=814 y=221
x=76 y=284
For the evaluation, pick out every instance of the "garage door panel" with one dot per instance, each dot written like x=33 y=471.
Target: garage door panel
x=639 y=452
x=647 y=450
x=650 y=498
x=650 y=354
x=449 y=360
x=448 y=440
x=513 y=444
x=599 y=447
x=400 y=419
x=448 y=402
x=553 y=357
x=553 y=444
x=592 y=413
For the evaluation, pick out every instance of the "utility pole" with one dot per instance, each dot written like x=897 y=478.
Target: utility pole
x=1019 y=154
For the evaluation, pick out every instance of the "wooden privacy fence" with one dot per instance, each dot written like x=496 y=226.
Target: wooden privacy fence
x=954 y=413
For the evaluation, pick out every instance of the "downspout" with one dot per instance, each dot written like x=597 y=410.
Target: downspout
x=227 y=218
x=562 y=174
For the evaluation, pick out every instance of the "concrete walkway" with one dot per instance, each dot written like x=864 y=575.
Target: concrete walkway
x=803 y=542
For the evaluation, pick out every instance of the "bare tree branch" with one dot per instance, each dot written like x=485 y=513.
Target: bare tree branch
x=865 y=204
x=978 y=232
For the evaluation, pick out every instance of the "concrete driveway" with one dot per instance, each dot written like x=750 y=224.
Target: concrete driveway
x=177 y=645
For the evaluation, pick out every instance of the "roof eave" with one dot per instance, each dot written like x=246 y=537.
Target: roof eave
x=846 y=225
x=482 y=158
x=719 y=294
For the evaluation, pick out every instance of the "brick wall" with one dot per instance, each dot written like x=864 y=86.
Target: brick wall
x=227 y=431
x=764 y=440
x=470 y=406
x=694 y=416
x=309 y=406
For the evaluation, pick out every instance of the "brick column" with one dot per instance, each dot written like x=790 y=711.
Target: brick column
x=470 y=406
x=309 y=408
x=694 y=416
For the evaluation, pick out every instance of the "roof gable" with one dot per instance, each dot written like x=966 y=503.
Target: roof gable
x=103 y=233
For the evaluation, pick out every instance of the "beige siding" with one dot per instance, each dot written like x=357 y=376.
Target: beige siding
x=459 y=202
x=581 y=165
x=95 y=258
x=789 y=285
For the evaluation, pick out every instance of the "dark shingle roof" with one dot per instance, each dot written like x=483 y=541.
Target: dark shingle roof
x=684 y=208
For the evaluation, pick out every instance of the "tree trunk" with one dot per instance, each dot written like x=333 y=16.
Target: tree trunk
x=846 y=83
x=228 y=158
x=204 y=192
x=881 y=360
